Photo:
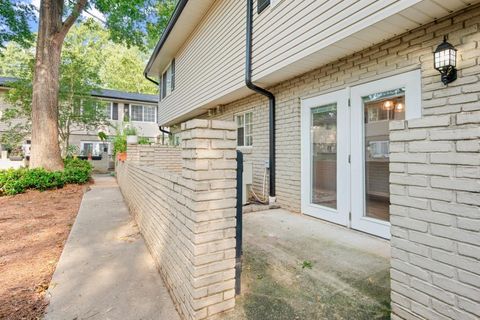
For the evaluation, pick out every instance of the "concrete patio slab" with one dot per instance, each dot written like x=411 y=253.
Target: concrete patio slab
x=106 y=271
x=297 y=267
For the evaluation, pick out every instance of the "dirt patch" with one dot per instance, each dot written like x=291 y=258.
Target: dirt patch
x=34 y=227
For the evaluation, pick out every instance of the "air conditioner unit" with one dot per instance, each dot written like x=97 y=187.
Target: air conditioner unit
x=247 y=180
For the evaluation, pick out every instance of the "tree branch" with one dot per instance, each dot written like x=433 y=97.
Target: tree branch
x=77 y=10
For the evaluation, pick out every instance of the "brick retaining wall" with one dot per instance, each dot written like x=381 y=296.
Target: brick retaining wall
x=188 y=218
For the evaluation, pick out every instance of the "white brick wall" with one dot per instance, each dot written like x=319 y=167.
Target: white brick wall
x=412 y=50
x=187 y=216
x=434 y=163
x=161 y=156
x=439 y=218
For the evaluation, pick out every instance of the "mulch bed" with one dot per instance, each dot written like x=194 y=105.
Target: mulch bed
x=34 y=227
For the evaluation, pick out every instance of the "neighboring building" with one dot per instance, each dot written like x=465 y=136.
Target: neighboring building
x=140 y=109
x=367 y=135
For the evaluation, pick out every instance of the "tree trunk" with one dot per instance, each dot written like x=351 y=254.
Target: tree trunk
x=45 y=151
x=52 y=30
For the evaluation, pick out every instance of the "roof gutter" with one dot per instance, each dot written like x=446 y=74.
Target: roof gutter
x=264 y=92
x=173 y=20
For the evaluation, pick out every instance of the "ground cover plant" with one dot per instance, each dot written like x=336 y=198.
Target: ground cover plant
x=15 y=181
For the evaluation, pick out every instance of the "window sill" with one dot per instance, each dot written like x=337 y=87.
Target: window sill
x=245 y=149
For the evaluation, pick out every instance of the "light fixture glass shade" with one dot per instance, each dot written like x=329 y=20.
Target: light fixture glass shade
x=445 y=56
x=445 y=61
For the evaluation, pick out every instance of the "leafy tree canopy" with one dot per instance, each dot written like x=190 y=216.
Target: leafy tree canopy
x=115 y=66
x=138 y=23
x=14 y=18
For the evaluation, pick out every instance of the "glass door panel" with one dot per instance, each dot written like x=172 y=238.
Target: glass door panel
x=324 y=155
x=379 y=109
x=373 y=106
x=325 y=172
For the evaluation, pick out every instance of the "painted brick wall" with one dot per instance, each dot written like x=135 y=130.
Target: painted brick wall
x=435 y=216
x=188 y=218
x=412 y=50
x=162 y=156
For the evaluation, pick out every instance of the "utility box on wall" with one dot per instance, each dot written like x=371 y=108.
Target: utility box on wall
x=247 y=180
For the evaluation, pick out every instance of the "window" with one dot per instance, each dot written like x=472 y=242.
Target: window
x=168 y=80
x=126 y=112
x=143 y=113
x=149 y=113
x=262 y=5
x=245 y=129
x=137 y=113
x=94 y=148
x=115 y=111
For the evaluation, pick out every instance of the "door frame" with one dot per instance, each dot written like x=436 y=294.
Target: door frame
x=350 y=154
x=341 y=214
x=411 y=81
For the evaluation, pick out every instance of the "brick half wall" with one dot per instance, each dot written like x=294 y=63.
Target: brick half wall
x=435 y=217
x=188 y=217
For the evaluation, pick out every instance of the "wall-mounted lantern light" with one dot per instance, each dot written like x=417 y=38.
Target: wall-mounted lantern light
x=445 y=60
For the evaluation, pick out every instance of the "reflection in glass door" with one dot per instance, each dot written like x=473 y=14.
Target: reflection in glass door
x=325 y=174
x=373 y=106
x=324 y=155
x=379 y=109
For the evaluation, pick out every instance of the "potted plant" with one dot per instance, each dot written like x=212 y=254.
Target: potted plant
x=131 y=134
x=120 y=147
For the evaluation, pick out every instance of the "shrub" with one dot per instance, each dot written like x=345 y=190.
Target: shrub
x=77 y=171
x=144 y=141
x=14 y=181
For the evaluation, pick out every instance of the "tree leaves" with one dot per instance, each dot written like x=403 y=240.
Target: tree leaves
x=14 y=18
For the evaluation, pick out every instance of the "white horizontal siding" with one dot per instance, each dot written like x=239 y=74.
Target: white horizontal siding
x=211 y=62
x=291 y=37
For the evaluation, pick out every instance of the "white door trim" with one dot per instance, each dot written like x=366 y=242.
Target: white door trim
x=341 y=214
x=411 y=81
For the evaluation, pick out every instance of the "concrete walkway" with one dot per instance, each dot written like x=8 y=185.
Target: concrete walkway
x=106 y=271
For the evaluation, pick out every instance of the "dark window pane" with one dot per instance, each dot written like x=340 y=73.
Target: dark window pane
x=240 y=136
x=115 y=111
x=164 y=85
x=262 y=4
x=173 y=74
x=126 y=112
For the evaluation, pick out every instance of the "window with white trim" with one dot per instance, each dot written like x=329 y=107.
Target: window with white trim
x=168 y=80
x=143 y=113
x=244 y=129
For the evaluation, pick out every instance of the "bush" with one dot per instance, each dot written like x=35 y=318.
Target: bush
x=17 y=181
x=77 y=171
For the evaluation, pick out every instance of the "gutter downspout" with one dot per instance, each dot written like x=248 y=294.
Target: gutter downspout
x=264 y=92
x=150 y=79
x=163 y=131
